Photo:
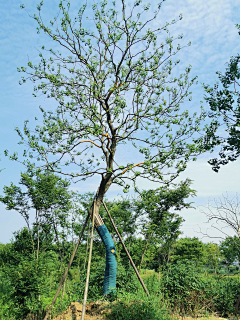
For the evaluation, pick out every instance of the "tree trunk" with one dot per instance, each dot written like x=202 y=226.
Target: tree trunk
x=125 y=249
x=110 y=275
x=37 y=217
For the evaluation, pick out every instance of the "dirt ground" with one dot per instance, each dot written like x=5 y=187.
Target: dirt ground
x=97 y=311
x=94 y=311
x=201 y=318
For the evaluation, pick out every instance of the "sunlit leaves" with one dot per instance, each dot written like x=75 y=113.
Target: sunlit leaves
x=225 y=110
x=113 y=85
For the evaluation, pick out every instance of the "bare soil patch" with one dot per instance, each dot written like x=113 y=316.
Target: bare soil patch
x=94 y=311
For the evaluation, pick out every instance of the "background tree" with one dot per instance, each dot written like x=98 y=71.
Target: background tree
x=213 y=255
x=230 y=249
x=224 y=214
x=189 y=249
x=224 y=102
x=47 y=195
x=161 y=223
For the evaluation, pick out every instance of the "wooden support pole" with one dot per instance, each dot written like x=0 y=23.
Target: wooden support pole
x=120 y=238
x=89 y=265
x=68 y=267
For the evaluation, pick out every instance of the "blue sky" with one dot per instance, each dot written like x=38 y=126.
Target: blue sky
x=209 y=25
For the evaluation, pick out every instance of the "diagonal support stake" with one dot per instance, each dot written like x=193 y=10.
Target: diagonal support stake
x=125 y=249
x=89 y=265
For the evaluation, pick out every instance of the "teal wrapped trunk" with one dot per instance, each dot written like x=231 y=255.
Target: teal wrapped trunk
x=111 y=263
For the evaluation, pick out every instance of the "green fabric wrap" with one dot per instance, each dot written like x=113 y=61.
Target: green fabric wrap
x=111 y=263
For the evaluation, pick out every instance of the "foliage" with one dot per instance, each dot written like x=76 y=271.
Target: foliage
x=25 y=275
x=224 y=104
x=189 y=249
x=135 y=304
x=225 y=294
x=189 y=292
x=160 y=220
x=213 y=255
x=230 y=248
x=114 y=85
x=139 y=310
x=125 y=281
x=182 y=286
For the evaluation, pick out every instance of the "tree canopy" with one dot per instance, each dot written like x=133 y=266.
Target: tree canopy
x=114 y=84
x=224 y=102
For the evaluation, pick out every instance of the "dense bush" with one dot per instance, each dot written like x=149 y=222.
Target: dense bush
x=183 y=288
x=137 y=310
x=136 y=305
x=224 y=294
x=189 y=292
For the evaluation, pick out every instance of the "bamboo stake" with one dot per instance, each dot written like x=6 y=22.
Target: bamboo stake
x=89 y=265
x=85 y=260
x=120 y=238
x=68 y=267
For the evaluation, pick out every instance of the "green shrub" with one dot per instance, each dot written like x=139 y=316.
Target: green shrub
x=183 y=287
x=224 y=294
x=189 y=292
x=137 y=310
x=125 y=282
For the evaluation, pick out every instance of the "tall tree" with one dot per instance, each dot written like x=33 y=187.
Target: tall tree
x=114 y=86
